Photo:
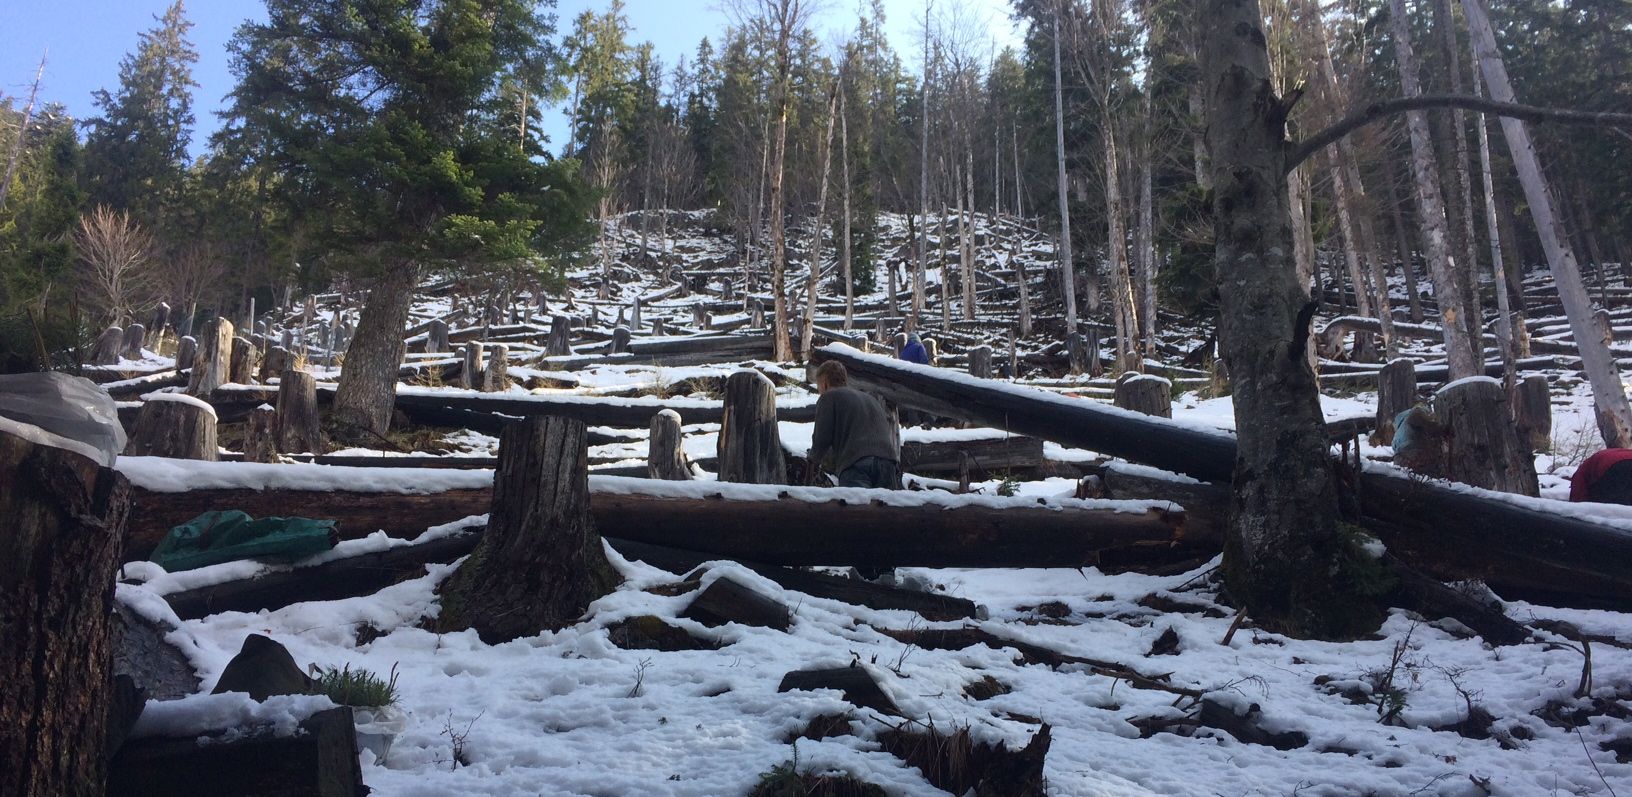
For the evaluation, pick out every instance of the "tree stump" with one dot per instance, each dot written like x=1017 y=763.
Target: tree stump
x=756 y=314
x=897 y=342
x=620 y=340
x=980 y=362
x=496 y=377
x=634 y=313
x=156 y=325
x=699 y=316
x=65 y=538
x=108 y=346
x=213 y=362
x=1533 y=413
x=261 y=435
x=277 y=360
x=1076 y=353
x=1365 y=347
x=664 y=457
x=186 y=350
x=298 y=429
x=1145 y=393
x=135 y=336
x=933 y=350
x=560 y=342
x=175 y=426
x=246 y=361
x=750 y=449
x=540 y=562
x=658 y=326
x=470 y=375
x=1396 y=393
x=436 y=337
x=1482 y=444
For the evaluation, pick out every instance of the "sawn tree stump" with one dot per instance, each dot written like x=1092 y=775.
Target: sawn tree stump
x=212 y=363
x=1145 y=393
x=66 y=518
x=298 y=429
x=750 y=448
x=540 y=563
x=175 y=426
x=664 y=457
x=1481 y=443
x=1396 y=393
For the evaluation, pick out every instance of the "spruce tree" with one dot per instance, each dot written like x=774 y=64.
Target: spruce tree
x=382 y=119
x=136 y=151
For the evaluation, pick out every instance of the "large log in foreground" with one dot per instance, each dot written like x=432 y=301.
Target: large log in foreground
x=768 y=524
x=64 y=515
x=1525 y=546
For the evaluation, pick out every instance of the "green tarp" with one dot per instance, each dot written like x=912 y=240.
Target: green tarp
x=229 y=535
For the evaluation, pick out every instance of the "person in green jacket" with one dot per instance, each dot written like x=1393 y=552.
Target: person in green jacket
x=853 y=433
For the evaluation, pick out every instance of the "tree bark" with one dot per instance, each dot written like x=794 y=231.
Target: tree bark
x=261 y=435
x=368 y=382
x=540 y=563
x=750 y=449
x=1533 y=412
x=246 y=360
x=1396 y=393
x=298 y=428
x=664 y=457
x=1614 y=413
x=1145 y=394
x=178 y=429
x=1482 y=443
x=62 y=551
x=212 y=363
x=1284 y=551
x=1448 y=292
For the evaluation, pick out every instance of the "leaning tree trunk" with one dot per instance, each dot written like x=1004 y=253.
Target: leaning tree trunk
x=368 y=382
x=66 y=524
x=1284 y=552
x=1614 y=414
x=1460 y=352
x=540 y=563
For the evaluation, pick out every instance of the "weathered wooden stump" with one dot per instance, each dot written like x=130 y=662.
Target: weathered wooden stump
x=540 y=562
x=980 y=362
x=186 y=351
x=261 y=435
x=277 y=360
x=1482 y=444
x=156 y=325
x=750 y=448
x=245 y=362
x=470 y=375
x=213 y=362
x=1396 y=393
x=496 y=377
x=699 y=316
x=1145 y=393
x=658 y=326
x=1365 y=347
x=135 y=337
x=436 y=336
x=620 y=340
x=66 y=523
x=298 y=428
x=1533 y=412
x=664 y=457
x=319 y=761
x=108 y=346
x=756 y=314
x=175 y=426
x=560 y=341
x=634 y=313
x=1076 y=353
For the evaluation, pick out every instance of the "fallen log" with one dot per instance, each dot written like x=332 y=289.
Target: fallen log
x=1531 y=547
x=763 y=523
x=989 y=455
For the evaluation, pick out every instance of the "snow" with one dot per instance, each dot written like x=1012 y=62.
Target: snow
x=1468 y=380
x=181 y=398
x=234 y=712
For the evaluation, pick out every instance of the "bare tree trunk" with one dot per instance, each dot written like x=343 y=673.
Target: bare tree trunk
x=1284 y=552
x=807 y=329
x=1303 y=247
x=1460 y=353
x=1445 y=20
x=1402 y=241
x=1116 y=252
x=1504 y=320
x=1149 y=265
x=966 y=240
x=923 y=181
x=368 y=382
x=1198 y=144
x=1614 y=414
x=779 y=245
x=844 y=251
x=946 y=281
x=22 y=137
x=1068 y=280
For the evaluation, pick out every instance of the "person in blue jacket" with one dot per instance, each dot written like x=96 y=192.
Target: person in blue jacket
x=914 y=351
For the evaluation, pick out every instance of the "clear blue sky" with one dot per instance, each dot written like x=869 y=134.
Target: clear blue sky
x=85 y=40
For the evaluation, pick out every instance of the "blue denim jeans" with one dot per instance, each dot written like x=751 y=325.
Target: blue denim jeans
x=869 y=472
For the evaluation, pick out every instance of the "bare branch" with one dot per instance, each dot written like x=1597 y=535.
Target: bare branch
x=1378 y=111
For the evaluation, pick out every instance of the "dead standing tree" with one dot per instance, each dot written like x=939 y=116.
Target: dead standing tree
x=1285 y=556
x=540 y=563
x=114 y=250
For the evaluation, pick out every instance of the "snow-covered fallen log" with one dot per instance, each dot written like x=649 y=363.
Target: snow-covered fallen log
x=772 y=524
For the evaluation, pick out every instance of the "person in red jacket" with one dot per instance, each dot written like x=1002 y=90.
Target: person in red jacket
x=1605 y=478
